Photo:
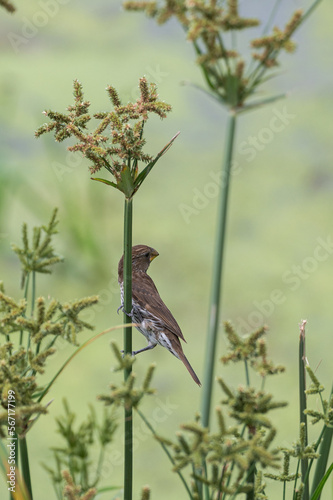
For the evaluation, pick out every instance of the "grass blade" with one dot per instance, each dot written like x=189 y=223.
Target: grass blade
x=324 y=452
x=79 y=349
x=319 y=489
x=143 y=174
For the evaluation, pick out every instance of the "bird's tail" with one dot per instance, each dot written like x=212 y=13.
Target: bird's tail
x=186 y=362
x=176 y=349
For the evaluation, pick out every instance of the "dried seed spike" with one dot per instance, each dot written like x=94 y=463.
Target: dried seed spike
x=144 y=90
x=78 y=91
x=113 y=96
x=145 y=495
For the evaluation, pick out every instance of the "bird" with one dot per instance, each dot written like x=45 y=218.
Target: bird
x=154 y=320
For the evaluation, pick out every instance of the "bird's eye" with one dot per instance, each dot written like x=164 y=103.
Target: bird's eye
x=147 y=254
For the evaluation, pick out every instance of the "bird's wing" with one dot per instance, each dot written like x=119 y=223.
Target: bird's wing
x=145 y=294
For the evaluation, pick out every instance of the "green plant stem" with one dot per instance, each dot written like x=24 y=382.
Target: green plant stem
x=128 y=424
x=251 y=479
x=99 y=465
x=302 y=406
x=217 y=273
x=33 y=293
x=296 y=478
x=247 y=375
x=245 y=480
x=219 y=492
x=25 y=468
x=23 y=446
x=310 y=10
x=26 y=288
x=315 y=448
x=258 y=73
x=232 y=467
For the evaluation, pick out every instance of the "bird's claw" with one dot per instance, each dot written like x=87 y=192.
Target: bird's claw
x=129 y=314
x=124 y=354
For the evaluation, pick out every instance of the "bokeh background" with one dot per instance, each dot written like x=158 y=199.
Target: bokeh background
x=279 y=222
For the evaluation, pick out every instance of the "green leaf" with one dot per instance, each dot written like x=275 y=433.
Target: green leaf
x=109 y=183
x=324 y=452
x=321 y=485
x=108 y=488
x=258 y=104
x=142 y=175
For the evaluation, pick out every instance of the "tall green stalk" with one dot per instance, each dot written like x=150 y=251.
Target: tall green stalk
x=23 y=445
x=128 y=434
x=217 y=275
x=302 y=406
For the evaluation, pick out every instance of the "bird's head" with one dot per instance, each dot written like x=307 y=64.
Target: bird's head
x=142 y=255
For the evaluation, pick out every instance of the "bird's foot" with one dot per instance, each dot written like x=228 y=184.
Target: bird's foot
x=130 y=315
x=133 y=353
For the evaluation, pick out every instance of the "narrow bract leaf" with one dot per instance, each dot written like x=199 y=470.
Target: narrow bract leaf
x=141 y=177
x=258 y=104
x=104 y=181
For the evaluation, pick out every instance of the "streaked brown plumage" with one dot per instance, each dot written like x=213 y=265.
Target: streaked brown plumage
x=156 y=322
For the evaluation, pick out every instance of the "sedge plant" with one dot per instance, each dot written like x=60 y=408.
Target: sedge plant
x=30 y=328
x=232 y=78
x=75 y=461
x=74 y=453
x=76 y=457
x=241 y=457
x=117 y=146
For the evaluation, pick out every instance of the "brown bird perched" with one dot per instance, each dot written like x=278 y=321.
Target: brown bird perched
x=155 y=320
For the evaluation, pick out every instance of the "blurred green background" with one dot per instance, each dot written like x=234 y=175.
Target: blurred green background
x=280 y=209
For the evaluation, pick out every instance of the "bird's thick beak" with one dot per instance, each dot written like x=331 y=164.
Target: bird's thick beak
x=153 y=254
